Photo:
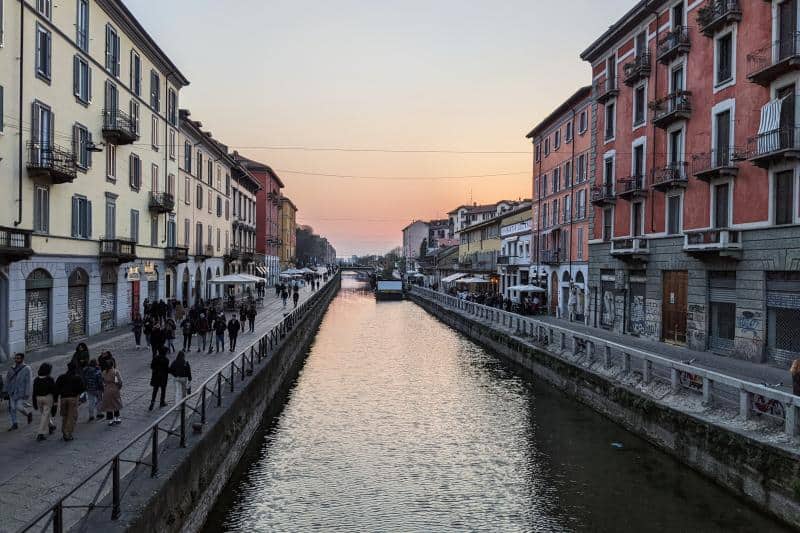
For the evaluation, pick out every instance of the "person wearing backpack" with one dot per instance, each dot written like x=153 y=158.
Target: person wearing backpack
x=94 y=389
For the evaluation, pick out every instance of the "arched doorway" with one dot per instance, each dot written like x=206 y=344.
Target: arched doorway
x=108 y=299
x=76 y=304
x=198 y=283
x=185 y=286
x=152 y=286
x=38 y=292
x=553 y=293
x=208 y=284
x=580 y=283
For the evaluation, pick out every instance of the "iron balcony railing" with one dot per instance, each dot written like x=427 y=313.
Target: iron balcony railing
x=673 y=44
x=162 y=202
x=673 y=107
x=638 y=69
x=175 y=255
x=51 y=161
x=631 y=187
x=15 y=244
x=117 y=250
x=671 y=175
x=605 y=90
x=712 y=240
x=103 y=491
x=716 y=163
x=550 y=257
x=779 y=57
x=119 y=127
x=773 y=144
x=629 y=246
x=716 y=14
x=602 y=194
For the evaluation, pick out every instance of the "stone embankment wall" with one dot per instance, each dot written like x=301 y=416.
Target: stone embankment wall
x=765 y=474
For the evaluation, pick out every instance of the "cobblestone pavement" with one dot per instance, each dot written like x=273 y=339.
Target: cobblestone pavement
x=35 y=474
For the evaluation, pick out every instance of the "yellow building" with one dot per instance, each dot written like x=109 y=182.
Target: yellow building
x=88 y=210
x=287 y=249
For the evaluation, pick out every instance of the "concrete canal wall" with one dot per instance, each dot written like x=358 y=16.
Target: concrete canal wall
x=766 y=475
x=190 y=479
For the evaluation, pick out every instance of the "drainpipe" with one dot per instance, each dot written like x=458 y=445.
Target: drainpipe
x=21 y=86
x=653 y=148
x=572 y=197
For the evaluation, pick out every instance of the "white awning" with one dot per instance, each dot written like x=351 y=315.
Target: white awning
x=236 y=279
x=526 y=288
x=261 y=270
x=451 y=278
x=473 y=280
x=769 y=127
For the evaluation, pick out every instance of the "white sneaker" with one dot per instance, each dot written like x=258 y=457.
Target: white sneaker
x=110 y=422
x=117 y=421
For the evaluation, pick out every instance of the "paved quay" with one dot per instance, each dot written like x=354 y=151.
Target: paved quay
x=35 y=474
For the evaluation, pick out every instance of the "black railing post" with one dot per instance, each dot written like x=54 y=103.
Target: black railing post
x=183 y=423
x=243 y=361
x=203 y=405
x=115 y=488
x=233 y=375
x=219 y=388
x=154 y=453
x=58 y=517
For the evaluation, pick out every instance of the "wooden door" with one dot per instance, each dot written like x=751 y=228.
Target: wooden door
x=674 y=306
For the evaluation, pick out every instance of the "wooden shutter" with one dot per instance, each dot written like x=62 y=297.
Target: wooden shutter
x=75 y=217
x=76 y=75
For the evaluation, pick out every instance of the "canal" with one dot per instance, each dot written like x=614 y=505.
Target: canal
x=398 y=423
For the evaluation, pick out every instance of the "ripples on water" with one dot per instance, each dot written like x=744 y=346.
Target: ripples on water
x=398 y=423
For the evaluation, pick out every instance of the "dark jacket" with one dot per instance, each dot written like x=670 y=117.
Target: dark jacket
x=220 y=326
x=81 y=358
x=796 y=384
x=44 y=386
x=148 y=326
x=251 y=314
x=202 y=325
x=181 y=370
x=69 y=385
x=158 y=337
x=186 y=327
x=93 y=379
x=233 y=327
x=160 y=371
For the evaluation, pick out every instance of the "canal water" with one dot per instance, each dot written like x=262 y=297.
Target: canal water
x=398 y=423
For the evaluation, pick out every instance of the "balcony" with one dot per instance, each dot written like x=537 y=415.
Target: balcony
x=118 y=127
x=52 y=162
x=606 y=90
x=504 y=259
x=674 y=44
x=176 y=255
x=631 y=188
x=638 y=69
x=512 y=260
x=713 y=243
x=715 y=164
x=717 y=14
x=671 y=176
x=782 y=144
x=672 y=108
x=630 y=249
x=117 y=251
x=15 y=245
x=551 y=257
x=162 y=202
x=248 y=256
x=603 y=195
x=203 y=252
x=766 y=64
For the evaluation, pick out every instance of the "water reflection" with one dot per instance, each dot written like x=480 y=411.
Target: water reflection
x=397 y=423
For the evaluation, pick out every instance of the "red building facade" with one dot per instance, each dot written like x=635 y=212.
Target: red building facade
x=560 y=212
x=695 y=195
x=268 y=237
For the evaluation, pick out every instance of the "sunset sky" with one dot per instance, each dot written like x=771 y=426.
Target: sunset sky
x=413 y=75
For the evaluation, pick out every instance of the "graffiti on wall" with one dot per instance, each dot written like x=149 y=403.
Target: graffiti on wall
x=696 y=326
x=749 y=330
x=609 y=311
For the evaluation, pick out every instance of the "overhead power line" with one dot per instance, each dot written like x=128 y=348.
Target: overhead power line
x=383 y=150
x=402 y=178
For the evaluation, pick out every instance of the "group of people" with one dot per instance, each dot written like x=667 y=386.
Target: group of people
x=95 y=382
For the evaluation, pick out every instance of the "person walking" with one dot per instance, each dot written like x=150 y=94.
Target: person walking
x=202 y=330
x=69 y=386
x=284 y=296
x=137 y=326
x=251 y=317
x=157 y=338
x=44 y=400
x=795 y=370
x=94 y=388
x=169 y=333
x=81 y=356
x=233 y=331
x=243 y=313
x=220 y=327
x=19 y=387
x=296 y=298
x=159 y=374
x=187 y=328
x=112 y=392
x=147 y=328
x=182 y=372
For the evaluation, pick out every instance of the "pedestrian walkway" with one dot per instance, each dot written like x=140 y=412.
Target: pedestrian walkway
x=34 y=474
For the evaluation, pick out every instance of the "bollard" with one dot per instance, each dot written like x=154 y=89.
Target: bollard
x=707 y=391
x=574 y=346
x=626 y=362
x=563 y=340
x=673 y=379
x=219 y=389
x=647 y=371
x=791 y=420
x=745 y=404
x=203 y=405
x=183 y=424
x=607 y=356
x=58 y=517
x=154 y=453
x=115 y=499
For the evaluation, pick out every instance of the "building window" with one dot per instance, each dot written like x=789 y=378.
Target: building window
x=210 y=201
x=721 y=195
x=610 y=119
x=199 y=237
x=44 y=43
x=227 y=184
x=154 y=231
x=547 y=147
x=81 y=79
x=583 y=122
x=187 y=190
x=111 y=218
x=172 y=107
x=155 y=90
x=210 y=172
x=172 y=144
x=722 y=312
x=82 y=25
x=112 y=51
x=608 y=219
x=673 y=215
x=41 y=209
x=219 y=206
x=219 y=239
x=111 y=162
x=81 y=217
x=154 y=132
x=639 y=105
x=134 y=107
x=568 y=174
x=556 y=179
x=135 y=173
x=187 y=232
x=724 y=57
x=537 y=152
x=568 y=134
x=579 y=244
x=136 y=73
x=2 y=107
x=171 y=184
x=608 y=174
x=784 y=197
x=580 y=170
x=45 y=8
x=154 y=178
x=557 y=140
x=637 y=219
x=81 y=139
x=199 y=203
x=199 y=165
x=187 y=157
x=581 y=204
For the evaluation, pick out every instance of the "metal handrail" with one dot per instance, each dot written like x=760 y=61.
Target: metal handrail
x=267 y=345
x=750 y=393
